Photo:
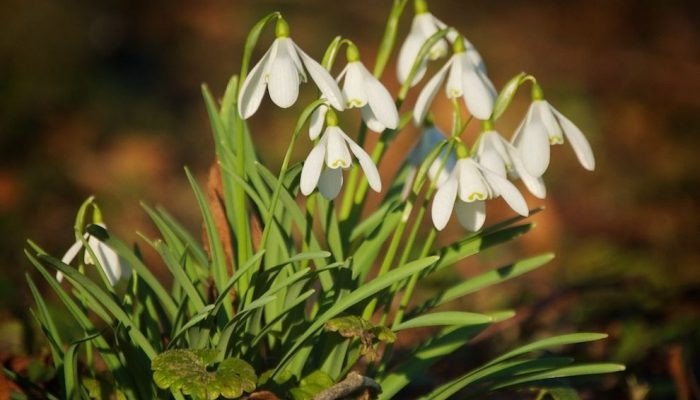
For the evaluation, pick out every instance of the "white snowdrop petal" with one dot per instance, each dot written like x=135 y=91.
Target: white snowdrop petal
x=407 y=56
x=292 y=52
x=492 y=161
x=478 y=96
x=408 y=182
x=471 y=215
x=106 y=260
x=69 y=257
x=534 y=185
x=283 y=81
x=578 y=142
x=425 y=22
x=371 y=120
x=427 y=95
x=550 y=122
x=253 y=89
x=311 y=171
x=533 y=144
x=331 y=182
x=353 y=86
x=472 y=186
x=325 y=82
x=337 y=153
x=454 y=87
x=316 y=121
x=366 y=163
x=380 y=101
x=504 y=188
x=71 y=252
x=444 y=202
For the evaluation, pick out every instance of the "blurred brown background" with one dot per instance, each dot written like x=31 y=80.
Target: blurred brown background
x=103 y=98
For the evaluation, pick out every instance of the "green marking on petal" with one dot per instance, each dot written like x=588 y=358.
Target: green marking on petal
x=556 y=140
x=476 y=196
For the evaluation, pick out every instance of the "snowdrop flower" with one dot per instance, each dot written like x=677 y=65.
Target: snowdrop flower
x=114 y=267
x=464 y=79
x=362 y=90
x=497 y=154
x=423 y=26
x=469 y=185
x=280 y=71
x=325 y=163
x=430 y=138
x=543 y=126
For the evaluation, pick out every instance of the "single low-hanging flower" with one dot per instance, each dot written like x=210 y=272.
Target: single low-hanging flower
x=465 y=80
x=280 y=71
x=468 y=187
x=430 y=138
x=543 y=126
x=423 y=26
x=325 y=163
x=361 y=90
x=113 y=266
x=497 y=154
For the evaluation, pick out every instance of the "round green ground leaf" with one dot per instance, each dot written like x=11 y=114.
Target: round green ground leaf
x=186 y=371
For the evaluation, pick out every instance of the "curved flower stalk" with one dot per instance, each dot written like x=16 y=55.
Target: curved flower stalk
x=543 y=126
x=280 y=71
x=325 y=163
x=361 y=90
x=430 y=138
x=113 y=266
x=467 y=188
x=497 y=154
x=465 y=80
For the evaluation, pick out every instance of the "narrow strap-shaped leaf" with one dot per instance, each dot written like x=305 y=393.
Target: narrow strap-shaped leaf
x=363 y=292
x=44 y=316
x=219 y=269
x=483 y=280
x=139 y=267
x=454 y=318
x=79 y=280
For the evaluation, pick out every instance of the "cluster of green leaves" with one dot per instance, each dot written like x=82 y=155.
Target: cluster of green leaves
x=292 y=309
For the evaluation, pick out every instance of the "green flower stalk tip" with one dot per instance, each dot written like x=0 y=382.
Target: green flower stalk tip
x=537 y=93
x=420 y=6
x=487 y=125
x=462 y=150
x=331 y=118
x=282 y=28
x=352 y=53
x=96 y=214
x=458 y=45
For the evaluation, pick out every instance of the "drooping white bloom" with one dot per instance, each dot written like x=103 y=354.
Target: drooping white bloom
x=464 y=79
x=362 y=90
x=497 y=154
x=280 y=71
x=469 y=185
x=424 y=25
x=543 y=126
x=113 y=266
x=430 y=139
x=325 y=163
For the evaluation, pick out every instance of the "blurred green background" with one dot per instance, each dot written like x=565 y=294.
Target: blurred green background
x=103 y=98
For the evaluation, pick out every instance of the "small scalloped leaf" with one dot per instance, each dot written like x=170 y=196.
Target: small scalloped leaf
x=311 y=385
x=186 y=371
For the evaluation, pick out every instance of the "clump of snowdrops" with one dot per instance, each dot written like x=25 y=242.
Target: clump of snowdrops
x=296 y=291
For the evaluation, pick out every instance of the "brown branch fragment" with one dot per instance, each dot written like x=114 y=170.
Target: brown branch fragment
x=354 y=383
